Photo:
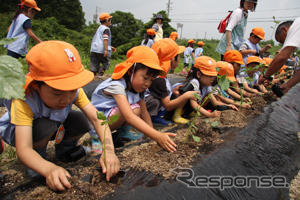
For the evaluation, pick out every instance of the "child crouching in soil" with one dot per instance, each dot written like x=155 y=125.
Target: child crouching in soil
x=251 y=78
x=158 y=100
x=123 y=95
x=200 y=78
x=226 y=69
x=46 y=114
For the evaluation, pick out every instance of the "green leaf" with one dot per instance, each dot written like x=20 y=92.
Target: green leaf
x=214 y=124
x=224 y=83
x=113 y=119
x=196 y=138
x=218 y=69
x=12 y=78
x=101 y=115
x=6 y=41
x=103 y=123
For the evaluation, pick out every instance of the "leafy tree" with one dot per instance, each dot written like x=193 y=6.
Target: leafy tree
x=166 y=26
x=68 y=12
x=124 y=27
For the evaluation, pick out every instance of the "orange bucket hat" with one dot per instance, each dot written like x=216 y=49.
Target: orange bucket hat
x=139 y=54
x=259 y=32
x=166 y=49
x=104 y=16
x=207 y=65
x=267 y=61
x=58 y=64
x=201 y=43
x=30 y=4
x=151 y=31
x=226 y=69
x=173 y=35
x=234 y=56
x=191 y=41
x=254 y=59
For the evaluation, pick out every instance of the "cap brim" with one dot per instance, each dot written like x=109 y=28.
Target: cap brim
x=240 y=62
x=157 y=67
x=181 y=49
x=209 y=73
x=37 y=8
x=231 y=78
x=73 y=82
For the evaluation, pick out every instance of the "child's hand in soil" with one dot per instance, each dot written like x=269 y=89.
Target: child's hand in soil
x=112 y=166
x=247 y=100
x=165 y=142
x=57 y=178
x=215 y=114
x=233 y=107
x=246 y=105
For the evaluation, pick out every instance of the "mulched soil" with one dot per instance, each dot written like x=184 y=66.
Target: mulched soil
x=89 y=183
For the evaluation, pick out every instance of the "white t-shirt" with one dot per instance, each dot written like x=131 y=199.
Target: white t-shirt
x=293 y=36
x=235 y=19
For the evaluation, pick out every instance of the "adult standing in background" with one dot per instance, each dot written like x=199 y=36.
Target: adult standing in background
x=234 y=34
x=158 y=27
x=288 y=34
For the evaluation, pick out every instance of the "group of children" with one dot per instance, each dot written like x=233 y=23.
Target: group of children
x=138 y=92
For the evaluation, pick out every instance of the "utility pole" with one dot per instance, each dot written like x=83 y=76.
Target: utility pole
x=96 y=15
x=169 y=7
x=179 y=25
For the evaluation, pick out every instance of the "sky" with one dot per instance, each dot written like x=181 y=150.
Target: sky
x=200 y=18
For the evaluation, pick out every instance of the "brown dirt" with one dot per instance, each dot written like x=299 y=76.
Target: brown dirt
x=89 y=183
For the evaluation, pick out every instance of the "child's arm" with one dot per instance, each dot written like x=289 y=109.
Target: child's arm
x=248 y=51
x=56 y=177
x=204 y=112
x=179 y=101
x=249 y=89
x=231 y=101
x=144 y=113
x=105 y=48
x=162 y=138
x=262 y=88
x=233 y=94
x=241 y=90
x=112 y=165
x=32 y=35
x=217 y=102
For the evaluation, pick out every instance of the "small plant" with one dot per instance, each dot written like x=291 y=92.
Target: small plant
x=106 y=123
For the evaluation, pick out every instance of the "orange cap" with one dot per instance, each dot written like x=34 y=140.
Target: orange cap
x=30 y=4
x=151 y=31
x=139 y=54
x=282 y=69
x=267 y=61
x=233 y=56
x=166 y=49
x=191 y=41
x=259 y=32
x=207 y=65
x=226 y=69
x=201 y=43
x=58 y=64
x=254 y=59
x=104 y=16
x=173 y=35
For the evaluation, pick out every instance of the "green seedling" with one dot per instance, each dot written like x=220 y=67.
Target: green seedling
x=106 y=123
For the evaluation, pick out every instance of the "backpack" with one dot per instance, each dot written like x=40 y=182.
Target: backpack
x=223 y=23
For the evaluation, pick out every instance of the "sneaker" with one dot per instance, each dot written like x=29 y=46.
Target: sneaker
x=160 y=121
x=96 y=146
x=126 y=133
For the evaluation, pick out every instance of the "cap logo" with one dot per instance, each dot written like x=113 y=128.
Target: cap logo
x=71 y=56
x=209 y=62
